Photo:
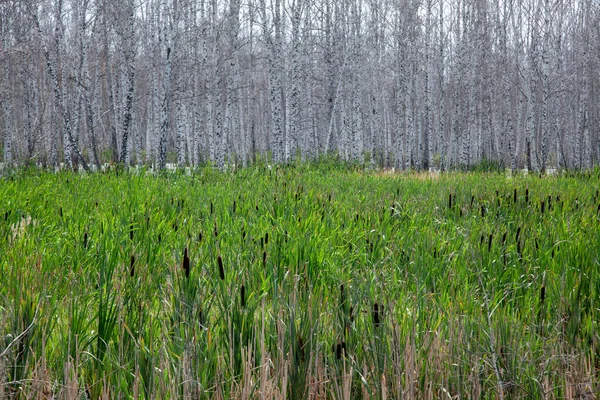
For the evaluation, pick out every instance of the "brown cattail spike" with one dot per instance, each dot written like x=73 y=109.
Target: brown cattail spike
x=376 y=320
x=450 y=200
x=243 y=296
x=542 y=206
x=85 y=240
x=515 y=197
x=132 y=266
x=186 y=263
x=221 y=270
x=542 y=294
x=264 y=258
x=490 y=242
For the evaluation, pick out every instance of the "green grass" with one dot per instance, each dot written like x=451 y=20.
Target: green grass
x=303 y=282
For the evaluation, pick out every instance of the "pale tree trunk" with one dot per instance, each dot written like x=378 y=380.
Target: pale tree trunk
x=428 y=128
x=60 y=69
x=583 y=142
x=6 y=109
x=275 y=66
x=545 y=123
x=295 y=110
x=58 y=95
x=355 y=118
x=531 y=143
x=128 y=41
x=516 y=23
x=230 y=128
x=165 y=46
x=442 y=98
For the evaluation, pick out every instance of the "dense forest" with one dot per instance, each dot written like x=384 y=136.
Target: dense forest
x=400 y=83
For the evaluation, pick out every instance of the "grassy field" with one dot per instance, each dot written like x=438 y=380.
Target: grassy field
x=300 y=282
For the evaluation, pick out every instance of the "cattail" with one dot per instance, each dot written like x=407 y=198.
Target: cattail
x=351 y=314
x=266 y=238
x=515 y=197
x=132 y=266
x=147 y=222
x=504 y=238
x=450 y=200
x=262 y=242
x=159 y=238
x=338 y=351
x=186 y=263
x=6 y=216
x=542 y=294
x=60 y=212
x=542 y=206
x=518 y=234
x=131 y=231
x=85 y=240
x=216 y=230
x=199 y=237
x=221 y=270
x=490 y=242
x=243 y=296
x=175 y=226
x=264 y=258
x=256 y=207
x=482 y=211
x=243 y=233
x=472 y=200
x=527 y=195
x=376 y=319
x=234 y=206
x=211 y=208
